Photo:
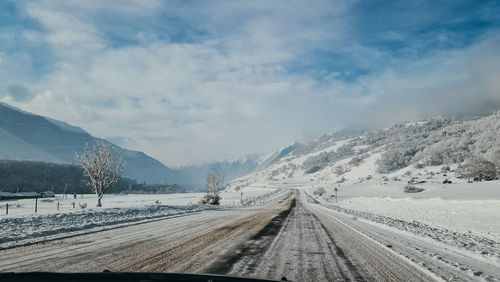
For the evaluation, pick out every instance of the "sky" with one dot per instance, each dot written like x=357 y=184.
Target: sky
x=198 y=81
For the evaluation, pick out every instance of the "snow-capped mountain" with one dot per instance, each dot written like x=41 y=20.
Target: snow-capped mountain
x=353 y=156
x=25 y=136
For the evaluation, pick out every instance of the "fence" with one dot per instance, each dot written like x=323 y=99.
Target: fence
x=10 y=207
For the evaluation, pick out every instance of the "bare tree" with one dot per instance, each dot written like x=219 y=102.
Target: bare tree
x=101 y=168
x=215 y=181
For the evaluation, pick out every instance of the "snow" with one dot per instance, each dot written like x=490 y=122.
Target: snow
x=367 y=167
x=454 y=227
x=22 y=226
x=481 y=217
x=23 y=230
x=461 y=216
x=450 y=255
x=26 y=207
x=462 y=207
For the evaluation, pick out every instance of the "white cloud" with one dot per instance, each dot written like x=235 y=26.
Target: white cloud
x=231 y=92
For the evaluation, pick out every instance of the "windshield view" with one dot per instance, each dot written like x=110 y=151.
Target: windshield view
x=325 y=140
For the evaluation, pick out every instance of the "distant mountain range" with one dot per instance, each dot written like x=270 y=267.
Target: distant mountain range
x=346 y=155
x=194 y=176
x=26 y=136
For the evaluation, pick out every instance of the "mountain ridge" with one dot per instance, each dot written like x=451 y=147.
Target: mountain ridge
x=402 y=149
x=27 y=136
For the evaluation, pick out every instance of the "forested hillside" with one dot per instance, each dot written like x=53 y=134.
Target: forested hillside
x=26 y=136
x=30 y=176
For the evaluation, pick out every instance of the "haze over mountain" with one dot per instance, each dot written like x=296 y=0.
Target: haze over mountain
x=194 y=176
x=25 y=136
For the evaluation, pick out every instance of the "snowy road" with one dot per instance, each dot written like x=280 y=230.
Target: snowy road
x=182 y=244
x=314 y=246
x=446 y=261
x=288 y=238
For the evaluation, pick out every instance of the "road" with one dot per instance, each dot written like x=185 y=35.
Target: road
x=286 y=238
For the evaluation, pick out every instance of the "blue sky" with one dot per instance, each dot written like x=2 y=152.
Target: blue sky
x=192 y=81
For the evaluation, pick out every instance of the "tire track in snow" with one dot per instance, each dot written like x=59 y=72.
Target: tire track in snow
x=294 y=245
x=374 y=260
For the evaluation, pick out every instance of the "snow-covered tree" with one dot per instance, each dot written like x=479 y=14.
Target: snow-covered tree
x=477 y=169
x=320 y=161
x=339 y=170
x=496 y=160
x=215 y=181
x=101 y=168
x=320 y=191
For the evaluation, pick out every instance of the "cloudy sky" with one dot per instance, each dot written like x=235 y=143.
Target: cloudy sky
x=193 y=81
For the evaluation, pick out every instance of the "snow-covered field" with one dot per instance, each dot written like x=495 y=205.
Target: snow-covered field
x=22 y=226
x=461 y=218
x=463 y=207
x=45 y=206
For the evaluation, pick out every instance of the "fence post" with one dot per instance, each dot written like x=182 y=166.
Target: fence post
x=57 y=205
x=36 y=204
x=73 y=204
x=7 y=208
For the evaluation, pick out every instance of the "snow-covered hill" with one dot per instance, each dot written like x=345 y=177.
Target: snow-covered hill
x=404 y=151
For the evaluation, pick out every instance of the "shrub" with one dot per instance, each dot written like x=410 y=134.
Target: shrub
x=210 y=199
x=355 y=161
x=445 y=168
x=339 y=170
x=412 y=189
x=477 y=169
x=396 y=157
x=320 y=191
